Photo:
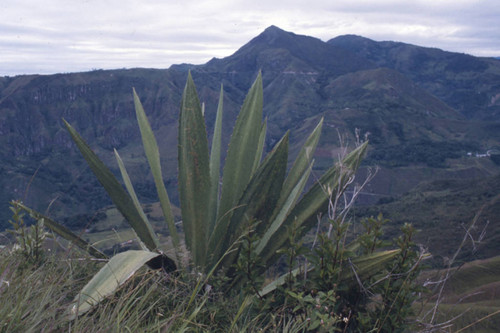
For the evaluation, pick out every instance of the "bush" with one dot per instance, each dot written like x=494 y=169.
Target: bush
x=333 y=292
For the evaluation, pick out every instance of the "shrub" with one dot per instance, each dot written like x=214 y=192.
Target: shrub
x=351 y=286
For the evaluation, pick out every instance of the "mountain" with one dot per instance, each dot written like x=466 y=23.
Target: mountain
x=277 y=52
x=468 y=84
x=423 y=110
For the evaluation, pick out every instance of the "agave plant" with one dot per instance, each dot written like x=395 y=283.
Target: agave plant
x=254 y=191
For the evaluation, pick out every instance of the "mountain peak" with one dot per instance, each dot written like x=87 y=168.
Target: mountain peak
x=273 y=29
x=273 y=35
x=277 y=50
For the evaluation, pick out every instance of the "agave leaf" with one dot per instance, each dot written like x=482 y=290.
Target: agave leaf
x=262 y=141
x=283 y=211
x=316 y=199
x=112 y=275
x=116 y=192
x=194 y=173
x=303 y=215
x=353 y=246
x=263 y=191
x=133 y=195
x=370 y=264
x=258 y=200
x=363 y=267
x=241 y=155
x=293 y=185
x=302 y=162
x=278 y=282
x=215 y=154
x=64 y=232
x=153 y=156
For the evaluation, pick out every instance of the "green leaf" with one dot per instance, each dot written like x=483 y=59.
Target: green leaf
x=279 y=282
x=362 y=266
x=303 y=215
x=131 y=192
x=116 y=192
x=153 y=156
x=242 y=152
x=263 y=191
x=283 y=211
x=293 y=186
x=262 y=141
x=215 y=155
x=257 y=202
x=368 y=265
x=64 y=232
x=302 y=162
x=194 y=174
x=115 y=273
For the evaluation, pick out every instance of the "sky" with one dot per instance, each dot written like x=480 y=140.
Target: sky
x=61 y=36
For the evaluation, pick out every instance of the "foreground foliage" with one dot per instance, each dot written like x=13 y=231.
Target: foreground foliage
x=237 y=234
x=329 y=299
x=253 y=192
x=141 y=305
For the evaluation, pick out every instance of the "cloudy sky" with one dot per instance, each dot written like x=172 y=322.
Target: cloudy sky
x=53 y=36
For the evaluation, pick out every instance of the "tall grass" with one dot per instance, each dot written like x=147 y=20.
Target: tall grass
x=35 y=298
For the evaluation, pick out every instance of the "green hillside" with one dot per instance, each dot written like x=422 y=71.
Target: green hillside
x=470 y=295
x=442 y=211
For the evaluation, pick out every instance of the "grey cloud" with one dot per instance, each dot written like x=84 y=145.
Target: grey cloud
x=61 y=36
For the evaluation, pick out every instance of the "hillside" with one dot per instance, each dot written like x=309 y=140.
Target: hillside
x=446 y=208
x=423 y=110
x=468 y=84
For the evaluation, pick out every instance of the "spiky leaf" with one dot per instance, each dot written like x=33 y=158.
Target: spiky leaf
x=131 y=192
x=361 y=267
x=64 y=232
x=153 y=156
x=282 y=211
x=194 y=173
x=215 y=155
x=302 y=162
x=303 y=215
x=115 y=190
x=260 y=149
x=242 y=152
x=258 y=200
x=116 y=272
x=364 y=266
x=293 y=185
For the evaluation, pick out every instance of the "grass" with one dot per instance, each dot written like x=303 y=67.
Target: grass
x=474 y=275
x=471 y=295
x=151 y=301
x=478 y=317
x=39 y=296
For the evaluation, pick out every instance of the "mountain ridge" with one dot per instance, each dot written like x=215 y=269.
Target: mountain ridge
x=371 y=89
x=431 y=68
